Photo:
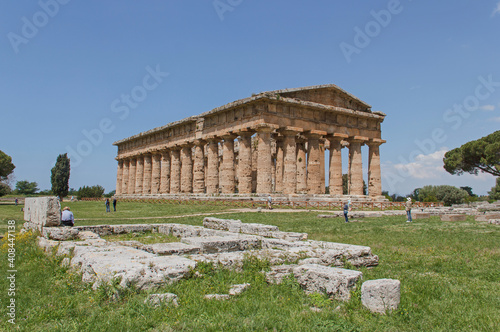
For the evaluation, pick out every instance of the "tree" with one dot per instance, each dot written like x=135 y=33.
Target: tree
x=469 y=191
x=474 y=156
x=26 y=188
x=6 y=166
x=4 y=189
x=495 y=191
x=60 y=176
x=449 y=195
x=90 y=192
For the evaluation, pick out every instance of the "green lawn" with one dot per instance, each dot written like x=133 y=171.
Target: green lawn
x=449 y=273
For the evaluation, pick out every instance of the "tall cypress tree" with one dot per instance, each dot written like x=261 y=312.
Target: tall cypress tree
x=60 y=176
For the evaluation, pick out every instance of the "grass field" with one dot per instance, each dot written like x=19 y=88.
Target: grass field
x=449 y=273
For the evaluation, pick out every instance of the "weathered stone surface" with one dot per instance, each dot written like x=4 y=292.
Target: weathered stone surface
x=173 y=248
x=381 y=295
x=131 y=243
x=42 y=211
x=218 y=297
x=101 y=230
x=230 y=225
x=157 y=300
x=84 y=235
x=421 y=215
x=60 y=233
x=134 y=228
x=213 y=244
x=279 y=272
x=486 y=217
x=333 y=281
x=454 y=217
x=494 y=221
x=238 y=289
x=289 y=236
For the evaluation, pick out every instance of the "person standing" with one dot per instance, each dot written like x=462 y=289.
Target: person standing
x=270 y=202
x=114 y=204
x=346 y=211
x=107 y=205
x=408 y=206
x=67 y=218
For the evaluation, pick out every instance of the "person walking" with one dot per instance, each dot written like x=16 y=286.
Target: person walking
x=346 y=211
x=408 y=206
x=114 y=204
x=107 y=205
x=67 y=218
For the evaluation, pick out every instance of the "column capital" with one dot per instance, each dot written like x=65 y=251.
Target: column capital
x=212 y=139
x=376 y=142
x=229 y=136
x=290 y=131
x=358 y=139
x=337 y=137
x=198 y=142
x=265 y=127
x=245 y=132
x=315 y=134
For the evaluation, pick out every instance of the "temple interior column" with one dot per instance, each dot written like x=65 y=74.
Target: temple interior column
x=125 y=176
x=199 y=167
x=374 y=175
x=279 y=165
x=301 y=165
x=290 y=160
x=314 y=162
x=148 y=168
x=119 y=177
x=245 y=163
x=156 y=173
x=187 y=169
x=175 y=171
x=139 y=175
x=131 y=176
x=165 y=172
x=227 y=173
x=213 y=166
x=335 y=169
x=264 y=166
x=355 y=166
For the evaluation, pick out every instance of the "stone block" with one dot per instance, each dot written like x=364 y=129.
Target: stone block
x=42 y=211
x=488 y=216
x=381 y=295
x=238 y=289
x=421 y=215
x=60 y=233
x=214 y=244
x=121 y=229
x=173 y=248
x=157 y=300
x=494 y=221
x=218 y=297
x=101 y=230
x=453 y=217
x=230 y=225
x=289 y=236
x=334 y=282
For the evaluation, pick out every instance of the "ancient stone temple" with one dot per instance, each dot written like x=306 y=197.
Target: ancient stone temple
x=272 y=142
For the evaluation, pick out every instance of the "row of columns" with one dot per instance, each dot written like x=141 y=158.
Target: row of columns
x=184 y=169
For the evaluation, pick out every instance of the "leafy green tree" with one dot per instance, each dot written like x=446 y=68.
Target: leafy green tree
x=26 y=188
x=60 y=176
x=6 y=165
x=469 y=191
x=474 y=156
x=495 y=191
x=90 y=192
x=4 y=189
x=449 y=195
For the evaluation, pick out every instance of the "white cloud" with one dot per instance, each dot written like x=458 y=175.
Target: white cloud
x=496 y=10
x=425 y=166
x=488 y=107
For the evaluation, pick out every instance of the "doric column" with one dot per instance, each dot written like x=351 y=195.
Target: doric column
x=374 y=175
x=165 y=172
x=175 y=171
x=356 y=165
x=139 y=174
x=148 y=169
x=186 y=169
x=314 y=162
x=227 y=173
x=199 y=167
x=301 y=165
x=213 y=166
x=322 y=165
x=264 y=167
x=156 y=173
x=335 y=169
x=279 y=165
x=119 y=177
x=125 y=176
x=245 y=163
x=131 y=176
x=290 y=160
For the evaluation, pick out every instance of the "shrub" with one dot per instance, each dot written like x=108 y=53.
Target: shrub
x=90 y=192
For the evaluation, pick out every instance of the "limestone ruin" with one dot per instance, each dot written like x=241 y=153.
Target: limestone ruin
x=272 y=142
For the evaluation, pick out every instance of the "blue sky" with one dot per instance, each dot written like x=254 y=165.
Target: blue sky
x=67 y=67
